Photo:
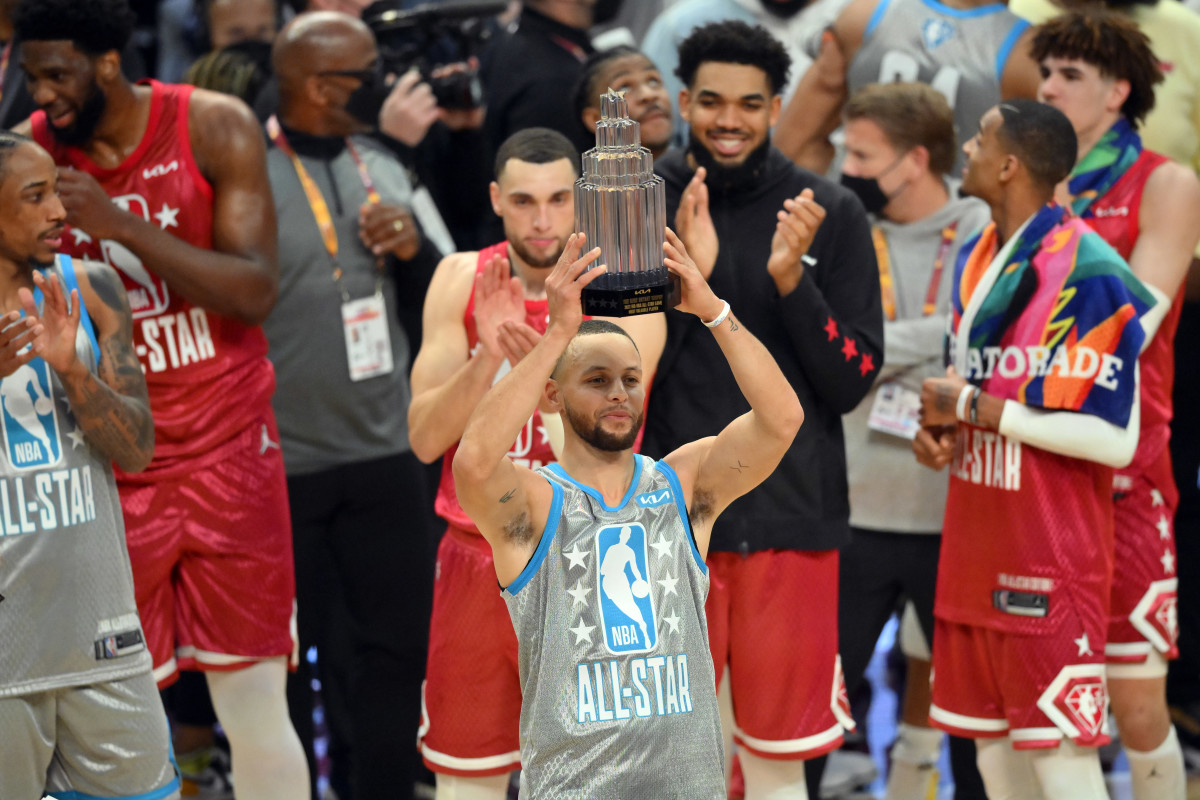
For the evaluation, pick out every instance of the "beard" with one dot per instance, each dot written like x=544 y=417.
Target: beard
x=591 y=432
x=529 y=258
x=724 y=179
x=88 y=116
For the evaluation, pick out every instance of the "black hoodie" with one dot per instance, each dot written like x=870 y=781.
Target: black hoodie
x=827 y=336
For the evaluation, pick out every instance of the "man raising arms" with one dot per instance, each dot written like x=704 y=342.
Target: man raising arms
x=610 y=710
x=169 y=186
x=469 y=734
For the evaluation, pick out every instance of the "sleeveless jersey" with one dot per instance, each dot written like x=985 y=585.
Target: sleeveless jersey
x=619 y=697
x=1115 y=216
x=208 y=374
x=68 y=616
x=959 y=52
x=532 y=447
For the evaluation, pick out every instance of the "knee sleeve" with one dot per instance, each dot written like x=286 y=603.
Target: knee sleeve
x=1007 y=774
x=456 y=787
x=1069 y=772
x=1158 y=774
x=769 y=779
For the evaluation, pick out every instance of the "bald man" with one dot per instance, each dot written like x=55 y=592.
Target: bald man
x=361 y=524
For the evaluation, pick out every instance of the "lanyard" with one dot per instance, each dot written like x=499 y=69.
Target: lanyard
x=316 y=201
x=886 y=284
x=572 y=48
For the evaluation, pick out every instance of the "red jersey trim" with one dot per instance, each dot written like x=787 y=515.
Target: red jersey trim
x=183 y=94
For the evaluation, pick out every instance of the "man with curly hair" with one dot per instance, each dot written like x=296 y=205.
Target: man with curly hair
x=795 y=250
x=168 y=185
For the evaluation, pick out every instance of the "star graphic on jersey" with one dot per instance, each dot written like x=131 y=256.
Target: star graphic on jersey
x=662 y=546
x=76 y=437
x=866 y=365
x=673 y=621
x=849 y=349
x=668 y=584
x=80 y=236
x=1085 y=649
x=1164 y=527
x=576 y=557
x=579 y=594
x=831 y=328
x=1168 y=562
x=167 y=217
x=545 y=434
x=582 y=632
x=1156 y=498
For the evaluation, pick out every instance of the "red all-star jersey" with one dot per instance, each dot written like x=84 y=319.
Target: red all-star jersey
x=208 y=374
x=1115 y=217
x=532 y=447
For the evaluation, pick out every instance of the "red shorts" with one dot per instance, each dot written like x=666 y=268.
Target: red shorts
x=1034 y=689
x=772 y=617
x=471 y=706
x=1142 y=616
x=212 y=560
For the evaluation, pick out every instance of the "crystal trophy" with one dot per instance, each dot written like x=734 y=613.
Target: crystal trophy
x=621 y=205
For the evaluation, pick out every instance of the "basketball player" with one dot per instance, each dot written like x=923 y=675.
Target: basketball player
x=625 y=69
x=973 y=51
x=1099 y=70
x=169 y=186
x=469 y=733
x=79 y=713
x=1039 y=405
x=610 y=710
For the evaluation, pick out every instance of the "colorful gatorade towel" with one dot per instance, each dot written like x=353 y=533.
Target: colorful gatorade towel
x=1059 y=329
x=1103 y=166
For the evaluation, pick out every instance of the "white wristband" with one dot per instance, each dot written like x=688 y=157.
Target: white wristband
x=720 y=317
x=964 y=397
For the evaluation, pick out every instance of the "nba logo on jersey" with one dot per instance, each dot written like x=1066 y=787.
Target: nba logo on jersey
x=936 y=32
x=30 y=424
x=626 y=607
x=147 y=293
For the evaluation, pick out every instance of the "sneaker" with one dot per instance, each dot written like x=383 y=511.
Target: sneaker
x=205 y=774
x=845 y=771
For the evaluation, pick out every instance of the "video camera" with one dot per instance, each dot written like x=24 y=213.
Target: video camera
x=433 y=35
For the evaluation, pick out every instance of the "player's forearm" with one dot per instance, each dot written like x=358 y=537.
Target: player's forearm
x=244 y=288
x=502 y=413
x=119 y=426
x=438 y=416
x=773 y=402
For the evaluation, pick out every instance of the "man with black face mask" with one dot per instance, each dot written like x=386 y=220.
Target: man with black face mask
x=900 y=146
x=795 y=250
x=168 y=185
x=349 y=251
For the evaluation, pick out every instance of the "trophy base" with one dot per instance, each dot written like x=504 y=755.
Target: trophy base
x=632 y=293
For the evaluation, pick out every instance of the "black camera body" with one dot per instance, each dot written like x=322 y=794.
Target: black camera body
x=438 y=39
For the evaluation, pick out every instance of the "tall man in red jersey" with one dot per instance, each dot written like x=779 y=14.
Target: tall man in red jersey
x=169 y=186
x=472 y=698
x=1039 y=405
x=1099 y=70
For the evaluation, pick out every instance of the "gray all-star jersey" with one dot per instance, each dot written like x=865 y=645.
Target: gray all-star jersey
x=68 y=616
x=619 y=700
x=959 y=52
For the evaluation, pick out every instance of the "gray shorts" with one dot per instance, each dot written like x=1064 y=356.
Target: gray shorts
x=104 y=740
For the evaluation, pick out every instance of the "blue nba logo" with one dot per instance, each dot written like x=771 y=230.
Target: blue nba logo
x=30 y=424
x=626 y=606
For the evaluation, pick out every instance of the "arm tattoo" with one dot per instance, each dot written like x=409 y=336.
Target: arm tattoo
x=508 y=495
x=740 y=466
x=113 y=408
x=733 y=326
